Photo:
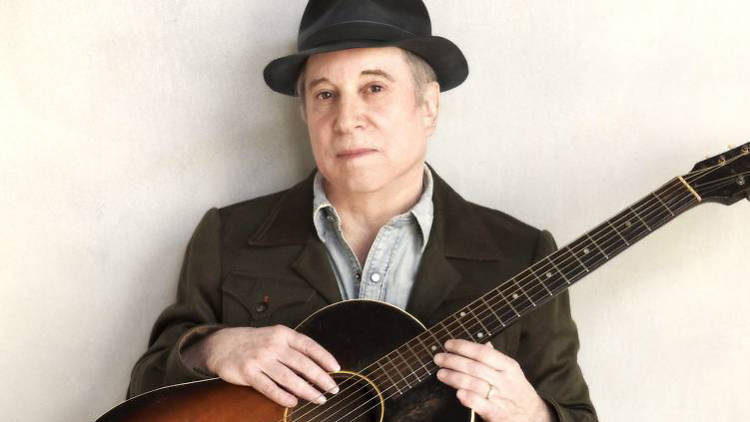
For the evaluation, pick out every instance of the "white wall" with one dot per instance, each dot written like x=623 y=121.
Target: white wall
x=121 y=122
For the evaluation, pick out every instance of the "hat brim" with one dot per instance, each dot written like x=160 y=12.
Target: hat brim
x=443 y=55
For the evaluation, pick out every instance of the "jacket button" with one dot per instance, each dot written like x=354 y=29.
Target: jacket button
x=262 y=306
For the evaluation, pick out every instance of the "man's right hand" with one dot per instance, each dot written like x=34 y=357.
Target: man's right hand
x=268 y=359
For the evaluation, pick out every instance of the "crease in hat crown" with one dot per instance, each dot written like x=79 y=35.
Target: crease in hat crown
x=332 y=25
x=327 y=21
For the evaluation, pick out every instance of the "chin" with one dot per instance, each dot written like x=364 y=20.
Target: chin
x=360 y=182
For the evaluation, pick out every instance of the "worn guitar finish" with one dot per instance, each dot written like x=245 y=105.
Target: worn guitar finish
x=356 y=332
x=387 y=354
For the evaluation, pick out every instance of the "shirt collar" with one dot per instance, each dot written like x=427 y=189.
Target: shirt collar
x=423 y=210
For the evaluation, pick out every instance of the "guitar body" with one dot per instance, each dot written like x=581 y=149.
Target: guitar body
x=357 y=333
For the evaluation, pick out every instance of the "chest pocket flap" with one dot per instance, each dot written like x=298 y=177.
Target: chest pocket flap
x=267 y=300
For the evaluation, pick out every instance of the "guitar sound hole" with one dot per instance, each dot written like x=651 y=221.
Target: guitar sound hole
x=357 y=401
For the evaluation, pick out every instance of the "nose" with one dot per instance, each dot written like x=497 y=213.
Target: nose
x=349 y=115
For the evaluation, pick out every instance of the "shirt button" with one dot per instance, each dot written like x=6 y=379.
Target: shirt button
x=375 y=277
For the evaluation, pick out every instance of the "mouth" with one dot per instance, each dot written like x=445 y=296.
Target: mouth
x=355 y=153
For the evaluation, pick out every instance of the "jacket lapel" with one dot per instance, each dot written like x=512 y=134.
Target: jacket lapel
x=314 y=266
x=290 y=223
x=457 y=233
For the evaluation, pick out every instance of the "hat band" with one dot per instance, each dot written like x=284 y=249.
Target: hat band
x=352 y=31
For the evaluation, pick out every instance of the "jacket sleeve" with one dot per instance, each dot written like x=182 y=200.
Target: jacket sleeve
x=195 y=314
x=548 y=349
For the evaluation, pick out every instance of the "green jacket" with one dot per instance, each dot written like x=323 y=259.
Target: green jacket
x=260 y=263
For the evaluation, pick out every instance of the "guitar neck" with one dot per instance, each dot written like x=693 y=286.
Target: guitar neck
x=411 y=363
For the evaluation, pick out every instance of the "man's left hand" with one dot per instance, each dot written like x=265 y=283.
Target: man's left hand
x=490 y=383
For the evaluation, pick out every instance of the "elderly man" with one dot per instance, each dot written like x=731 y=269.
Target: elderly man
x=373 y=222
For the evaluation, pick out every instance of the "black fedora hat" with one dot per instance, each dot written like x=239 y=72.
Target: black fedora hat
x=332 y=25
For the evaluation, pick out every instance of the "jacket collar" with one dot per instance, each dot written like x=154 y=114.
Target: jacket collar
x=457 y=227
x=457 y=233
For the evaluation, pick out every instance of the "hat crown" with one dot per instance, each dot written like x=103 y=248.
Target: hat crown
x=326 y=21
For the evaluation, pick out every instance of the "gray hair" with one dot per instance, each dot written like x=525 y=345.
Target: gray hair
x=422 y=72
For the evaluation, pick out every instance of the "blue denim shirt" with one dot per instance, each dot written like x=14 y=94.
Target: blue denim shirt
x=392 y=262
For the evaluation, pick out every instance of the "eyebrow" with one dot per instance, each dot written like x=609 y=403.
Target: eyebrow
x=375 y=72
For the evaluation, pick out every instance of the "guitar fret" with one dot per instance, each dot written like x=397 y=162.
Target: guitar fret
x=509 y=304
x=388 y=375
x=639 y=218
x=419 y=360
x=450 y=334
x=577 y=259
x=458 y=319
x=398 y=371
x=597 y=246
x=524 y=292
x=549 y=259
x=486 y=331
x=437 y=341
x=408 y=366
x=618 y=233
x=419 y=340
x=493 y=311
x=662 y=202
x=540 y=281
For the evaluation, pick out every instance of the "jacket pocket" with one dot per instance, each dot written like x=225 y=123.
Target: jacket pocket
x=266 y=300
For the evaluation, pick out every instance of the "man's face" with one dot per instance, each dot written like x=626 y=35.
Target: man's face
x=367 y=130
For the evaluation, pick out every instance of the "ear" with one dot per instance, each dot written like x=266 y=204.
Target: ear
x=430 y=107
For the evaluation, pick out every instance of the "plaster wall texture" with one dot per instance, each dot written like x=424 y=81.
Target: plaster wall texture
x=121 y=122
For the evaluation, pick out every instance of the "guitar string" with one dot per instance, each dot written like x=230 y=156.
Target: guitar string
x=429 y=371
x=697 y=172
x=481 y=316
x=679 y=210
x=419 y=354
x=732 y=177
x=435 y=366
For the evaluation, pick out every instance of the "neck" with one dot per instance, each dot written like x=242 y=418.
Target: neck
x=364 y=213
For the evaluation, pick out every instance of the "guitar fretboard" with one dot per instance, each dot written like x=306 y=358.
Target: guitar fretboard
x=411 y=363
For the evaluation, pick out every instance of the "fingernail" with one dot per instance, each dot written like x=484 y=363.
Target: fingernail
x=334 y=390
x=320 y=400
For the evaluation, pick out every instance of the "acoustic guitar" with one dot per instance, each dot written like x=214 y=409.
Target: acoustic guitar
x=387 y=354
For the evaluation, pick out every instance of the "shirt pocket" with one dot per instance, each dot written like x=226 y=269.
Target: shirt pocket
x=260 y=301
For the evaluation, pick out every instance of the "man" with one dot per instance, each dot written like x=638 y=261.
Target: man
x=373 y=222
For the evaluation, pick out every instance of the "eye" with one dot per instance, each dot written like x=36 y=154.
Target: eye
x=375 y=88
x=325 y=95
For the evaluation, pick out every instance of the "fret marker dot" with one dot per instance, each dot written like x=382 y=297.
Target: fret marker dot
x=515 y=295
x=463 y=314
x=548 y=275
x=585 y=250
x=480 y=334
x=433 y=348
x=628 y=224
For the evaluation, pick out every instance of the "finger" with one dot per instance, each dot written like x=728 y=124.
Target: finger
x=286 y=378
x=311 y=348
x=488 y=355
x=461 y=381
x=310 y=370
x=270 y=389
x=467 y=366
x=477 y=403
